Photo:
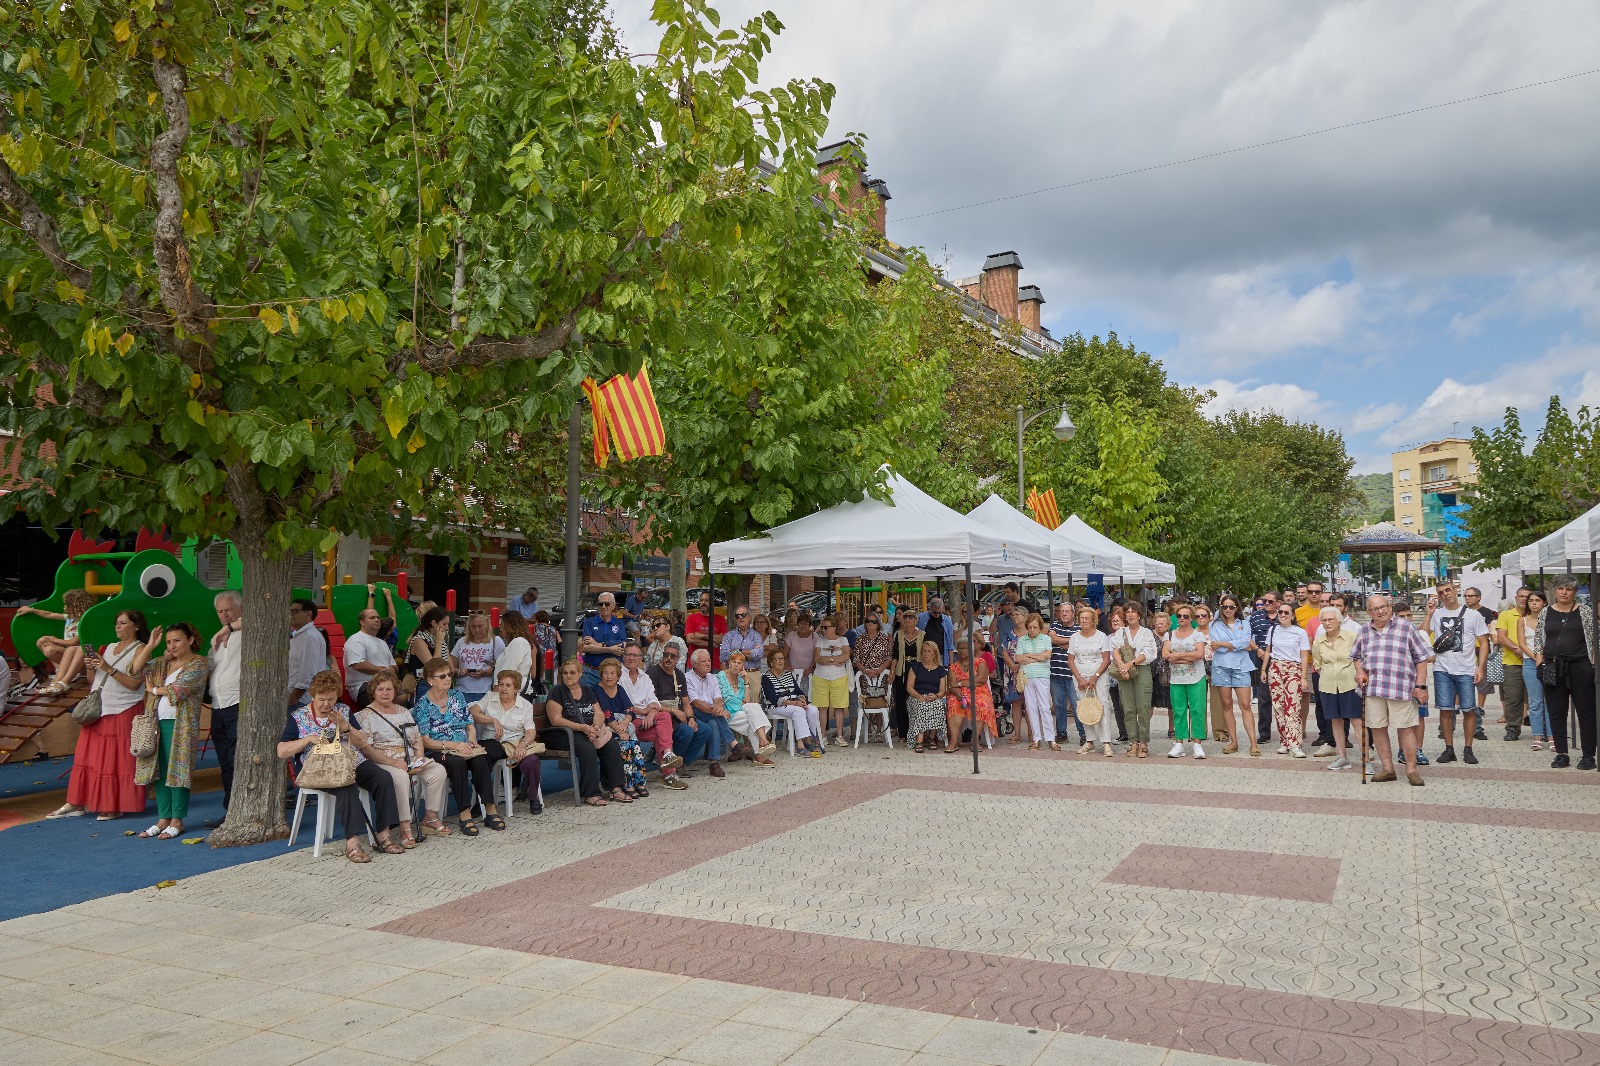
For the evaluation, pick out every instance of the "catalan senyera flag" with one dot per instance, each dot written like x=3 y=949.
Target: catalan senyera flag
x=1043 y=506
x=625 y=412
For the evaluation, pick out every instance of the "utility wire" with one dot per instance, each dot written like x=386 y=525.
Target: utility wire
x=1249 y=147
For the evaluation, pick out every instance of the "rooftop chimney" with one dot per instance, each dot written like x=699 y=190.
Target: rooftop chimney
x=1029 y=301
x=998 y=287
x=842 y=171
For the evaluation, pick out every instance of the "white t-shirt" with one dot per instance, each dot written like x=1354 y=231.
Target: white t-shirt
x=364 y=648
x=165 y=709
x=476 y=656
x=830 y=647
x=115 y=697
x=1288 y=642
x=518 y=656
x=1470 y=624
x=1086 y=650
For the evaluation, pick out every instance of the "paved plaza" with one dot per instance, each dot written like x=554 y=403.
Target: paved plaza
x=880 y=907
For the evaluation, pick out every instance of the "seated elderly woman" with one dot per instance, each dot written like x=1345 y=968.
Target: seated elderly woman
x=451 y=737
x=617 y=706
x=394 y=735
x=745 y=715
x=784 y=696
x=596 y=754
x=325 y=718
x=505 y=723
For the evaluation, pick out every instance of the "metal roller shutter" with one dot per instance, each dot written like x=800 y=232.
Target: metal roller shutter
x=549 y=578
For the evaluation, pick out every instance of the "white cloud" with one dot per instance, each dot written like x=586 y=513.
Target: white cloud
x=1454 y=407
x=1290 y=401
x=1259 y=316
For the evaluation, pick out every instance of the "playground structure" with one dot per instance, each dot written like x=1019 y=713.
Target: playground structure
x=161 y=580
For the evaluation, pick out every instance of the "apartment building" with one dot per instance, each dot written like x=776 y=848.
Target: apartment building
x=1433 y=487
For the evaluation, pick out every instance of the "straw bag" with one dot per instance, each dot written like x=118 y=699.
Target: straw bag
x=1090 y=710
x=330 y=765
x=144 y=735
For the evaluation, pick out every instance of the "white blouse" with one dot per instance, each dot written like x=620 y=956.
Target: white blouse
x=511 y=723
x=1086 y=651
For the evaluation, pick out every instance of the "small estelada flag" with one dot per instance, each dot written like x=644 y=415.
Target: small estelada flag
x=625 y=412
x=1043 y=506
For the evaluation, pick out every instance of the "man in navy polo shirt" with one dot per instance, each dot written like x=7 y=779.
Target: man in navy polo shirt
x=603 y=638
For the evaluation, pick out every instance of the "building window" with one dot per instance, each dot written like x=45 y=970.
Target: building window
x=1438 y=473
x=1405 y=475
x=1472 y=468
x=1405 y=497
x=1407 y=520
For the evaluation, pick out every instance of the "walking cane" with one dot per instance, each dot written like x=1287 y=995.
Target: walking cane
x=1363 y=752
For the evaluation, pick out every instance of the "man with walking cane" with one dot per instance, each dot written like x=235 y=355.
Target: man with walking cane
x=1392 y=659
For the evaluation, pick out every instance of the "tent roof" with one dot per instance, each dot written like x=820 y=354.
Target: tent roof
x=1572 y=543
x=1135 y=569
x=1067 y=556
x=1387 y=537
x=908 y=535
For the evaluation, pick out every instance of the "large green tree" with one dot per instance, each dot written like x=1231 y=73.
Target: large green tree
x=285 y=270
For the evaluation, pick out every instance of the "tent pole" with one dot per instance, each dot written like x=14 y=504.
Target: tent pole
x=711 y=615
x=1594 y=604
x=972 y=664
x=1049 y=595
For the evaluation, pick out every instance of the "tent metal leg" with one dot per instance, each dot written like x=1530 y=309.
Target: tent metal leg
x=972 y=664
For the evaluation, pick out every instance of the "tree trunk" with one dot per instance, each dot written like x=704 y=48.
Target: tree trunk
x=677 y=580
x=255 y=814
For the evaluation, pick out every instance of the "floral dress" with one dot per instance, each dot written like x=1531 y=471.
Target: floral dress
x=616 y=707
x=958 y=702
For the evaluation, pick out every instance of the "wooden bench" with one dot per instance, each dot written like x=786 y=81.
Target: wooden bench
x=541 y=725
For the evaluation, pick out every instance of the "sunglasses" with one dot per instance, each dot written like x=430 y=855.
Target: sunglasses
x=1285 y=613
x=438 y=677
x=1259 y=605
x=1185 y=614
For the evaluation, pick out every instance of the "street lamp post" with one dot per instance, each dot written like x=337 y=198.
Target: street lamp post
x=1064 y=429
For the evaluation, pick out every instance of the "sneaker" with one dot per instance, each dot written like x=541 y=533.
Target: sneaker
x=1373 y=769
x=1586 y=763
x=671 y=781
x=1176 y=752
x=1322 y=751
x=1339 y=764
x=1467 y=756
x=1513 y=734
x=671 y=760
x=1283 y=749
x=1479 y=734
x=1199 y=752
x=1297 y=753
x=1560 y=762
x=1447 y=755
x=1422 y=759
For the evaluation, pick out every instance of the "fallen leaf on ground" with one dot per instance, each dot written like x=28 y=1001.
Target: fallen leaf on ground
x=194 y=840
x=165 y=884
x=131 y=833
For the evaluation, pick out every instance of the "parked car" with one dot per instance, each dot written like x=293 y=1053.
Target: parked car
x=816 y=601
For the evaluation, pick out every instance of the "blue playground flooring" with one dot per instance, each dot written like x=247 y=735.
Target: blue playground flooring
x=50 y=864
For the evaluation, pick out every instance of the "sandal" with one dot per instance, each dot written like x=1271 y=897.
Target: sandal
x=619 y=795
x=407 y=841
x=67 y=810
x=151 y=833
x=495 y=822
x=951 y=751
x=389 y=847
x=170 y=832
x=1255 y=752
x=641 y=793
x=438 y=829
x=593 y=801
x=469 y=827
x=918 y=748
x=353 y=852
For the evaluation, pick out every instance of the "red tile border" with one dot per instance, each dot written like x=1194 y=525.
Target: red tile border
x=557 y=913
x=1310 y=878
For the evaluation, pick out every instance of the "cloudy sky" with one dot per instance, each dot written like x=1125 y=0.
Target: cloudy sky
x=1399 y=280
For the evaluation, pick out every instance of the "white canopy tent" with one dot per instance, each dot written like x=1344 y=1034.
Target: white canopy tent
x=1135 y=569
x=907 y=536
x=1067 y=556
x=1572 y=547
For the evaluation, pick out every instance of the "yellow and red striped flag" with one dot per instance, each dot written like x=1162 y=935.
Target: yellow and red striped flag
x=625 y=410
x=1043 y=506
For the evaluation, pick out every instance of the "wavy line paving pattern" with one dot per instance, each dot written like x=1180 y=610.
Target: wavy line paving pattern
x=923 y=915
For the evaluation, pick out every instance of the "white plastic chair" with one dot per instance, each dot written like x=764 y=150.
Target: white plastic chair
x=324 y=818
x=863 y=711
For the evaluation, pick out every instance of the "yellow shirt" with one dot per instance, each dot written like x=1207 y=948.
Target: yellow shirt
x=1305 y=612
x=1510 y=623
x=1330 y=657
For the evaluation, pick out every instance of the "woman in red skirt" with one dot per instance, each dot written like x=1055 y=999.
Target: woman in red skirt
x=102 y=766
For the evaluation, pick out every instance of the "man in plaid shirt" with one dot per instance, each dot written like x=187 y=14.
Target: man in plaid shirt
x=1392 y=660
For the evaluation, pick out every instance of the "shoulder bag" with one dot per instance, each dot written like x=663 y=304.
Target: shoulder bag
x=144 y=735
x=88 y=708
x=330 y=764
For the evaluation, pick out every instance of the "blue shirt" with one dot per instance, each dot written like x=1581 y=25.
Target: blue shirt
x=949 y=642
x=600 y=631
x=448 y=723
x=1238 y=634
x=526 y=610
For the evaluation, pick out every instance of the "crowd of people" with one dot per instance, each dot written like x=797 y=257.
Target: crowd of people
x=427 y=723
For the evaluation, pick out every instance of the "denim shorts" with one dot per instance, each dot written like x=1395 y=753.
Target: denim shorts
x=1226 y=677
x=1454 y=692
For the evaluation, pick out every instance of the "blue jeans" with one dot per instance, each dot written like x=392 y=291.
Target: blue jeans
x=719 y=731
x=1454 y=692
x=691 y=744
x=1538 y=713
x=1064 y=697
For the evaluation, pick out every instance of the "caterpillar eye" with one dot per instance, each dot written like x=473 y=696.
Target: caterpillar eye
x=158 y=581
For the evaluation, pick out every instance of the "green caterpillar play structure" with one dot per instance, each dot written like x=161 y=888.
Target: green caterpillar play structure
x=161 y=582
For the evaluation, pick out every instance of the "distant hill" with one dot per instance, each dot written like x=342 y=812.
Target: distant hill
x=1376 y=498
